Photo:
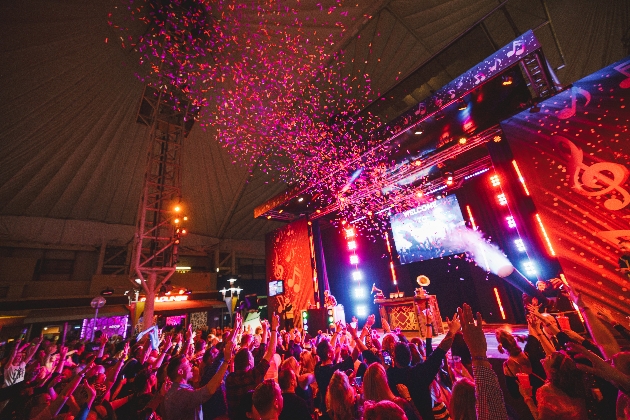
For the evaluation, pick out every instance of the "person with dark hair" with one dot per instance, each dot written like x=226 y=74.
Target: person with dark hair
x=182 y=401
x=417 y=379
x=246 y=375
x=216 y=406
x=294 y=408
x=267 y=400
x=563 y=395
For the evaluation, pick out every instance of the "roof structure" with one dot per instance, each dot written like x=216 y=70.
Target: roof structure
x=71 y=149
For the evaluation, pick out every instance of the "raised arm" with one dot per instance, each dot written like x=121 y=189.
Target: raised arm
x=271 y=348
x=600 y=334
x=489 y=398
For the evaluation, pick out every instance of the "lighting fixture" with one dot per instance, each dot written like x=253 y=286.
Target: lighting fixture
x=520 y=245
x=507 y=80
x=496 y=294
x=495 y=180
x=529 y=268
x=359 y=292
x=107 y=291
x=354 y=259
x=361 y=311
x=448 y=178
x=352 y=245
x=463 y=140
x=300 y=199
x=502 y=199
x=356 y=275
x=138 y=281
x=461 y=104
x=510 y=221
x=496 y=139
x=350 y=233
x=419 y=130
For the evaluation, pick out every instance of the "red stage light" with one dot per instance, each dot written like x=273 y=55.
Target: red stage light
x=352 y=245
x=502 y=199
x=470 y=217
x=495 y=180
x=496 y=294
x=520 y=177
x=354 y=259
x=350 y=233
x=544 y=232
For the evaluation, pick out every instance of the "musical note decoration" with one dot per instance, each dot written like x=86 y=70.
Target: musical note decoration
x=596 y=180
x=573 y=93
x=517 y=44
x=497 y=62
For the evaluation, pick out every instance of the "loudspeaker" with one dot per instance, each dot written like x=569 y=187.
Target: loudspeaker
x=314 y=320
x=251 y=302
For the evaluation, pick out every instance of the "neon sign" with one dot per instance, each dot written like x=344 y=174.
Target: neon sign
x=174 y=298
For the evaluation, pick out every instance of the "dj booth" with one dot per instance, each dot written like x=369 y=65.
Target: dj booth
x=407 y=313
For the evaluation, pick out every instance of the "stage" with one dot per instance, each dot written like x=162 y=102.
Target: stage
x=488 y=330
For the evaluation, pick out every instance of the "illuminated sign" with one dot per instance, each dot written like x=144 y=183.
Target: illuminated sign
x=174 y=298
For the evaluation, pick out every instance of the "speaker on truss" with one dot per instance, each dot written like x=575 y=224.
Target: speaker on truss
x=251 y=303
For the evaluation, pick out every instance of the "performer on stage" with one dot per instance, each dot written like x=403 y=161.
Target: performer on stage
x=329 y=300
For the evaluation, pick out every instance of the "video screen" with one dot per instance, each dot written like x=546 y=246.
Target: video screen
x=428 y=231
x=276 y=287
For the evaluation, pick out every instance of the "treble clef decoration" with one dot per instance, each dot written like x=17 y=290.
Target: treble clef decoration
x=597 y=179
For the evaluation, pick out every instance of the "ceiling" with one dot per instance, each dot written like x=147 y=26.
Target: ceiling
x=71 y=148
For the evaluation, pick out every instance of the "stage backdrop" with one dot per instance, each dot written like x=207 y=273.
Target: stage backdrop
x=574 y=156
x=290 y=258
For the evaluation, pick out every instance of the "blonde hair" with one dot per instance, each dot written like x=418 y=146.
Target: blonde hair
x=292 y=364
x=463 y=399
x=375 y=386
x=340 y=397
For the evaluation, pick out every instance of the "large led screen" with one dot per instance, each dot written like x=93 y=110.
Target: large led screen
x=424 y=232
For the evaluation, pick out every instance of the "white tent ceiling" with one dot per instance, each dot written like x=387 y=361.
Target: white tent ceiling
x=70 y=147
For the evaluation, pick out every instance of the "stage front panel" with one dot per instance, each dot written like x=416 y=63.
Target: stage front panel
x=288 y=253
x=574 y=155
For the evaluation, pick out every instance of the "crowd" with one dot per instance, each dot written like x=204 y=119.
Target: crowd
x=350 y=373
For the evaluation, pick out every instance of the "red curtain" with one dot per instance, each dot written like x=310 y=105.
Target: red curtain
x=289 y=258
x=574 y=155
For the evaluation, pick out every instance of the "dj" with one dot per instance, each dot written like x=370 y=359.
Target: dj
x=329 y=300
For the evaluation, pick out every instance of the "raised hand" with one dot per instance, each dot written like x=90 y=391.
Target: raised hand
x=275 y=321
x=265 y=325
x=473 y=332
x=227 y=350
x=453 y=324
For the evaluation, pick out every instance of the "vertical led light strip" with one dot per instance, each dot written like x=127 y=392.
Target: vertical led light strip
x=391 y=261
x=358 y=293
x=496 y=293
x=520 y=177
x=544 y=232
x=470 y=217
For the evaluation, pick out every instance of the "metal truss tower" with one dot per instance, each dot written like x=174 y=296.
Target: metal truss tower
x=160 y=223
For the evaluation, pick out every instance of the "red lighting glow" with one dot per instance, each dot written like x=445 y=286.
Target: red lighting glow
x=496 y=294
x=470 y=217
x=544 y=232
x=520 y=177
x=391 y=261
x=502 y=199
x=350 y=233
x=494 y=179
x=352 y=245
